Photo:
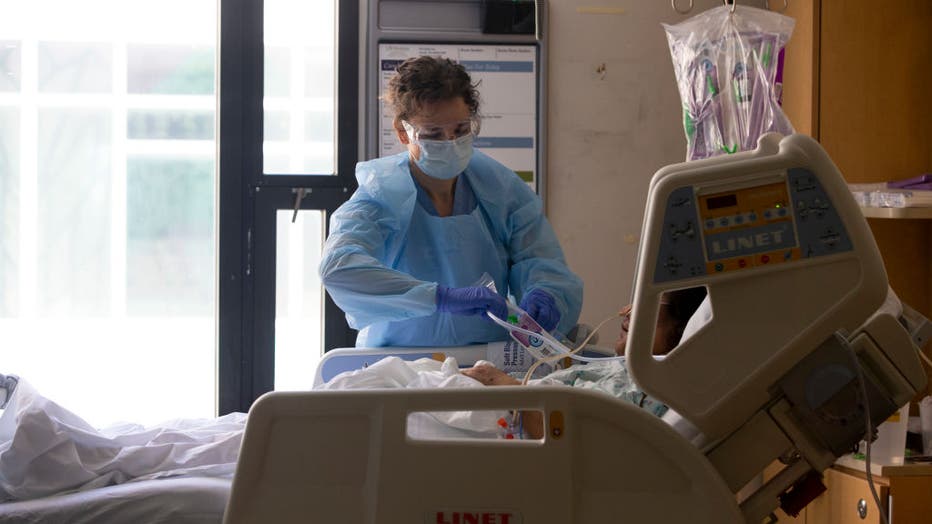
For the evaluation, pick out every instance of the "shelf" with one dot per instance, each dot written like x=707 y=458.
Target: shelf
x=897 y=212
x=884 y=470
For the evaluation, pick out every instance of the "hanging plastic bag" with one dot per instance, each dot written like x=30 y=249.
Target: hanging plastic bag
x=729 y=70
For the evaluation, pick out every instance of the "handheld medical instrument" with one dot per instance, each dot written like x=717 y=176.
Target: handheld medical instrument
x=541 y=344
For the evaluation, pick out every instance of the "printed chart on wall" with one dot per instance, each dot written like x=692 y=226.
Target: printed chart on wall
x=507 y=76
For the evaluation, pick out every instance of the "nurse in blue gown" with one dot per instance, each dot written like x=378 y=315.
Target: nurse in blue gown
x=407 y=253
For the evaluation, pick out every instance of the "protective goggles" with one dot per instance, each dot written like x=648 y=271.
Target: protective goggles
x=448 y=131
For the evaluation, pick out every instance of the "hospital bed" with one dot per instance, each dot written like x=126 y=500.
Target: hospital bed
x=343 y=360
x=55 y=468
x=189 y=500
x=803 y=348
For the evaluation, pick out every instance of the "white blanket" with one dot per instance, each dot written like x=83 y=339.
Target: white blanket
x=393 y=372
x=46 y=449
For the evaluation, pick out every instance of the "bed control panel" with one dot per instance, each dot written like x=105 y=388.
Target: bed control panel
x=782 y=219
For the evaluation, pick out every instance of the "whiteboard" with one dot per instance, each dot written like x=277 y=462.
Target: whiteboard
x=507 y=76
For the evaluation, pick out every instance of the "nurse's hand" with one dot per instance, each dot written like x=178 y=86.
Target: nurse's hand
x=542 y=308
x=470 y=301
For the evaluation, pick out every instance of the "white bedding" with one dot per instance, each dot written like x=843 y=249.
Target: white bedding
x=393 y=372
x=195 y=500
x=46 y=449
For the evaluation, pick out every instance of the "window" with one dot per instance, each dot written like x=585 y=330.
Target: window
x=115 y=236
x=107 y=201
x=300 y=58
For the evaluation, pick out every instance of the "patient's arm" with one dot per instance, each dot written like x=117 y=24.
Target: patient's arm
x=492 y=376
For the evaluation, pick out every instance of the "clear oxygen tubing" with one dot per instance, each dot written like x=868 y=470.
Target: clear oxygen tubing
x=562 y=350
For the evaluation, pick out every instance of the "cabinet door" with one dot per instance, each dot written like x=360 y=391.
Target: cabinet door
x=874 y=106
x=872 y=113
x=839 y=505
x=910 y=499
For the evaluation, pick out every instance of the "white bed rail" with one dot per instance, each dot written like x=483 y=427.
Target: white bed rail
x=338 y=360
x=345 y=456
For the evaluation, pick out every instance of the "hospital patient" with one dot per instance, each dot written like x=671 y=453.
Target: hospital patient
x=609 y=377
x=676 y=308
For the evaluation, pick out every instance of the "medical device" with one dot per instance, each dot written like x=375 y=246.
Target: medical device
x=795 y=282
x=804 y=340
x=539 y=342
x=526 y=331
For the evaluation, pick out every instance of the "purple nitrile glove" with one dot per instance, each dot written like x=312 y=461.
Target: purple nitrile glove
x=470 y=301
x=542 y=308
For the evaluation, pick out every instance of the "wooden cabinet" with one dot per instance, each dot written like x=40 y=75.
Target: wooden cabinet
x=848 y=500
x=840 y=502
x=858 y=79
x=906 y=492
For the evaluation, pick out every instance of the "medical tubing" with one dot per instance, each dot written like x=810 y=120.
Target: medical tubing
x=868 y=426
x=566 y=352
x=516 y=413
x=527 y=376
x=563 y=351
x=534 y=366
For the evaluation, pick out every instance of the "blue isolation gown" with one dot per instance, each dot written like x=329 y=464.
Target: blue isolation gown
x=387 y=252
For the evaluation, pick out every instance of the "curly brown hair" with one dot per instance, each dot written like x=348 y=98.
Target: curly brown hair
x=428 y=79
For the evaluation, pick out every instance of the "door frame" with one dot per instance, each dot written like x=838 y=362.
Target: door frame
x=249 y=199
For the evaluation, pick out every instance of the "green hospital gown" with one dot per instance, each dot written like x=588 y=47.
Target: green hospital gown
x=610 y=377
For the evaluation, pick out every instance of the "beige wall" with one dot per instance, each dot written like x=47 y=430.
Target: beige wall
x=608 y=133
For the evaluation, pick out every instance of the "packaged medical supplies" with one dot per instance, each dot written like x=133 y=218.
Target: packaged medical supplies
x=511 y=357
x=911 y=192
x=729 y=70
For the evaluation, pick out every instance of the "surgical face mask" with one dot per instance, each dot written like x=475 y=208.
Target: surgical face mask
x=442 y=159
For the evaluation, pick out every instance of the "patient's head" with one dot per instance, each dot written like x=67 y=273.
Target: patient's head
x=675 y=309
